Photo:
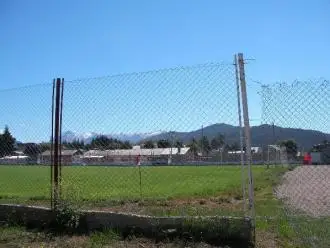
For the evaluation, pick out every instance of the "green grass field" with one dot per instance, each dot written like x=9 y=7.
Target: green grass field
x=175 y=190
x=104 y=183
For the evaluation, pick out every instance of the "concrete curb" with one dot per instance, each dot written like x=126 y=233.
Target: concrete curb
x=89 y=221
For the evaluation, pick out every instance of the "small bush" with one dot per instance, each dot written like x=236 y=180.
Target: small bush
x=66 y=218
x=106 y=237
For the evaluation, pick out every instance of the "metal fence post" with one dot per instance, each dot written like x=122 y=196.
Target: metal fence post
x=56 y=142
x=247 y=135
x=240 y=132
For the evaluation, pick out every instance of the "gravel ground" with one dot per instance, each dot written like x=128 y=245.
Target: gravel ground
x=307 y=188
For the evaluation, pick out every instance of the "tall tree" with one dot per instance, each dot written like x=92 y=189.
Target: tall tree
x=205 y=145
x=232 y=147
x=126 y=145
x=149 y=144
x=44 y=146
x=163 y=143
x=194 y=147
x=32 y=150
x=7 y=143
x=178 y=144
x=103 y=142
x=290 y=146
x=76 y=144
x=217 y=142
x=235 y=147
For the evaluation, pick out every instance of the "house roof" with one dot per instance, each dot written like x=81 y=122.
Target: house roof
x=18 y=152
x=64 y=152
x=15 y=157
x=256 y=149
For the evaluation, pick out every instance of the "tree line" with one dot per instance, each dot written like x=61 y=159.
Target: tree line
x=7 y=143
x=203 y=145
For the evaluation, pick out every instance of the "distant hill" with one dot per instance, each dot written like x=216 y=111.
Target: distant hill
x=262 y=135
x=87 y=137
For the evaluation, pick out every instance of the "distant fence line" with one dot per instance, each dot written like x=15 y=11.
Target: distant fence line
x=216 y=158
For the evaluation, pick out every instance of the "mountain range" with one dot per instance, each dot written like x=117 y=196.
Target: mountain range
x=87 y=137
x=262 y=135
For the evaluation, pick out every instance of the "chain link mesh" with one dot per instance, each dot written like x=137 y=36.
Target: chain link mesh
x=298 y=115
x=163 y=142
x=25 y=126
x=163 y=116
x=167 y=142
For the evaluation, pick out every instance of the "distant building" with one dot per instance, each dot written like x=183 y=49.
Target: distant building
x=128 y=156
x=321 y=154
x=68 y=157
x=15 y=159
x=254 y=149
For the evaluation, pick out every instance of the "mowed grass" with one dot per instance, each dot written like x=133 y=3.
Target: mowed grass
x=107 y=183
x=274 y=228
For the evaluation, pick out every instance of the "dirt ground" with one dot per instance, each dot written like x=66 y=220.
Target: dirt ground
x=18 y=237
x=306 y=190
x=195 y=206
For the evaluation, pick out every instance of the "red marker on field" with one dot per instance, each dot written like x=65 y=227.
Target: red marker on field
x=138 y=160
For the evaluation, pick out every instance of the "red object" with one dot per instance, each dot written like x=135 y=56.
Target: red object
x=307 y=159
x=138 y=159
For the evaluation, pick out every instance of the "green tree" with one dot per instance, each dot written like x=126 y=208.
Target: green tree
x=163 y=143
x=88 y=147
x=217 y=142
x=205 y=145
x=194 y=147
x=291 y=147
x=236 y=147
x=32 y=150
x=20 y=146
x=233 y=147
x=149 y=144
x=7 y=143
x=126 y=145
x=44 y=146
x=101 y=142
x=77 y=144
x=178 y=144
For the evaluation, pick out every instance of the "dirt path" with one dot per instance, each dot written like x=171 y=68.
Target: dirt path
x=307 y=188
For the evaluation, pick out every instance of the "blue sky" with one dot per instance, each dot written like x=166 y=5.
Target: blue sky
x=41 y=40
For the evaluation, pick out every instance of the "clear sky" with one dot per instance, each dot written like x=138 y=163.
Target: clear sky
x=41 y=40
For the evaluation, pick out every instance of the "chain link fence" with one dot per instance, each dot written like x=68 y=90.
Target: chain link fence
x=164 y=142
x=25 y=126
x=297 y=118
x=170 y=143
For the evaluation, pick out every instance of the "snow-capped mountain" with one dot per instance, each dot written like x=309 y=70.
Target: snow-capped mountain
x=87 y=137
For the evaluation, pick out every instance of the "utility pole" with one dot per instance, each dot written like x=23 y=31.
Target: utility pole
x=202 y=141
x=247 y=135
x=171 y=133
x=274 y=142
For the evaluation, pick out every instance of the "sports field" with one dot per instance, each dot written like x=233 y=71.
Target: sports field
x=98 y=183
x=175 y=190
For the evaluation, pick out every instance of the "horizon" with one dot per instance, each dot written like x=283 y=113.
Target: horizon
x=150 y=134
